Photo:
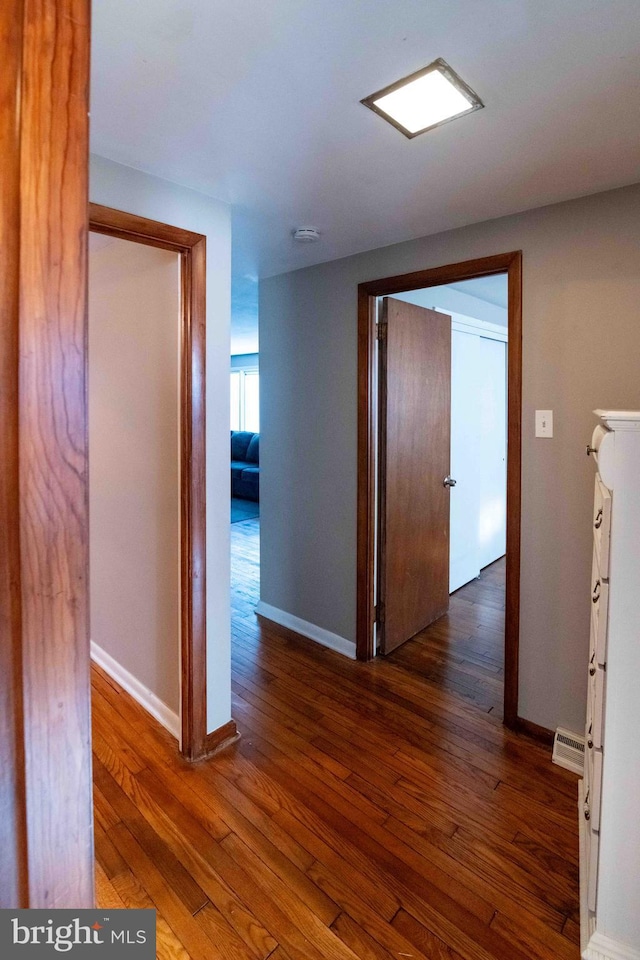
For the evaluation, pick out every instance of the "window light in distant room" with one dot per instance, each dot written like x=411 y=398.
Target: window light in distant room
x=245 y=400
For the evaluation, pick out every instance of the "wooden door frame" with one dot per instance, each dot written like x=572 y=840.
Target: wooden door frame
x=511 y=264
x=191 y=248
x=45 y=719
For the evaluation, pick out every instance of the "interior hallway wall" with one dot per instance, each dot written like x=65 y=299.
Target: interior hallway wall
x=581 y=342
x=124 y=188
x=134 y=482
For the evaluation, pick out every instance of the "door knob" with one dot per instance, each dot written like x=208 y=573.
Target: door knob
x=448 y=482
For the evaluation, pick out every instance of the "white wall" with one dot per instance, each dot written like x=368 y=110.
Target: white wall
x=581 y=343
x=455 y=301
x=239 y=361
x=134 y=455
x=131 y=190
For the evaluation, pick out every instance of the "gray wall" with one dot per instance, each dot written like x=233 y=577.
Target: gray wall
x=581 y=350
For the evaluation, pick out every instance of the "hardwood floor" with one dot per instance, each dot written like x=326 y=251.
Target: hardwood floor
x=245 y=571
x=370 y=811
x=463 y=652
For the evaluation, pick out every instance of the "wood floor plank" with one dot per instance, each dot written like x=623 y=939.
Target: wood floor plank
x=228 y=944
x=534 y=944
x=369 y=920
x=281 y=875
x=107 y=856
x=241 y=815
x=424 y=820
x=342 y=859
x=299 y=908
x=107 y=897
x=571 y=931
x=174 y=873
x=134 y=897
x=104 y=813
x=423 y=939
x=200 y=855
x=388 y=851
x=515 y=898
x=362 y=944
x=186 y=928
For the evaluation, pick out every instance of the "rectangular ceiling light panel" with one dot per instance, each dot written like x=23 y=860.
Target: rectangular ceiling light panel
x=424 y=99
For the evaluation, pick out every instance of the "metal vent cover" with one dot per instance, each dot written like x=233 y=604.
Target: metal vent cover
x=568 y=750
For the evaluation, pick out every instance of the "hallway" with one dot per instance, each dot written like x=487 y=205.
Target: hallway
x=368 y=812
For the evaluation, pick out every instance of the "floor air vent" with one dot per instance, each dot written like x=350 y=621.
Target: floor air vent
x=568 y=750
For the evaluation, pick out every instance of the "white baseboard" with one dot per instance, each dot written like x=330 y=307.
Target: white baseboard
x=151 y=703
x=306 y=629
x=604 y=948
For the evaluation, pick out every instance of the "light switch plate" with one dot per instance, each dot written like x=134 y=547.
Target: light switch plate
x=544 y=423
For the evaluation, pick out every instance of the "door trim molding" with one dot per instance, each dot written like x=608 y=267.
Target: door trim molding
x=511 y=264
x=45 y=721
x=191 y=248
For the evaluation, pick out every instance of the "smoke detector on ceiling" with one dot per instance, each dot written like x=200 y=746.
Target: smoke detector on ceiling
x=306 y=234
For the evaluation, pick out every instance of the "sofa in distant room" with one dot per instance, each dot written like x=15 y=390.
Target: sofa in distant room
x=245 y=465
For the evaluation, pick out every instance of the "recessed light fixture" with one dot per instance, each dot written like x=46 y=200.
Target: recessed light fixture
x=425 y=99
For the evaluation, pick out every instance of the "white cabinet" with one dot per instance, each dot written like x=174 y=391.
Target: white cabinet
x=609 y=804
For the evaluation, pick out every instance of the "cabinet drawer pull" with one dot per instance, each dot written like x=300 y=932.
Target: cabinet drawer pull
x=598 y=521
x=590 y=743
x=596 y=592
x=587 y=812
x=592 y=671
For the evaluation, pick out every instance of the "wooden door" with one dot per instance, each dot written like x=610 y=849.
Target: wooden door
x=414 y=448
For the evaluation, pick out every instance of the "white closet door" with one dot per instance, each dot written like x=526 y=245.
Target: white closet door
x=492 y=475
x=466 y=371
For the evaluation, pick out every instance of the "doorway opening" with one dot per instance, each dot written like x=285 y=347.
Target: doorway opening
x=184 y=345
x=245 y=489
x=134 y=484
x=414 y=435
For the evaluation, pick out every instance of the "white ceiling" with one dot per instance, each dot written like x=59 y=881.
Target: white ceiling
x=258 y=104
x=491 y=289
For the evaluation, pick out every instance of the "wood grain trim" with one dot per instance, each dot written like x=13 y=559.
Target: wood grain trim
x=220 y=739
x=129 y=226
x=449 y=273
x=53 y=452
x=13 y=876
x=366 y=467
x=511 y=264
x=514 y=490
x=193 y=503
x=192 y=250
x=534 y=730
